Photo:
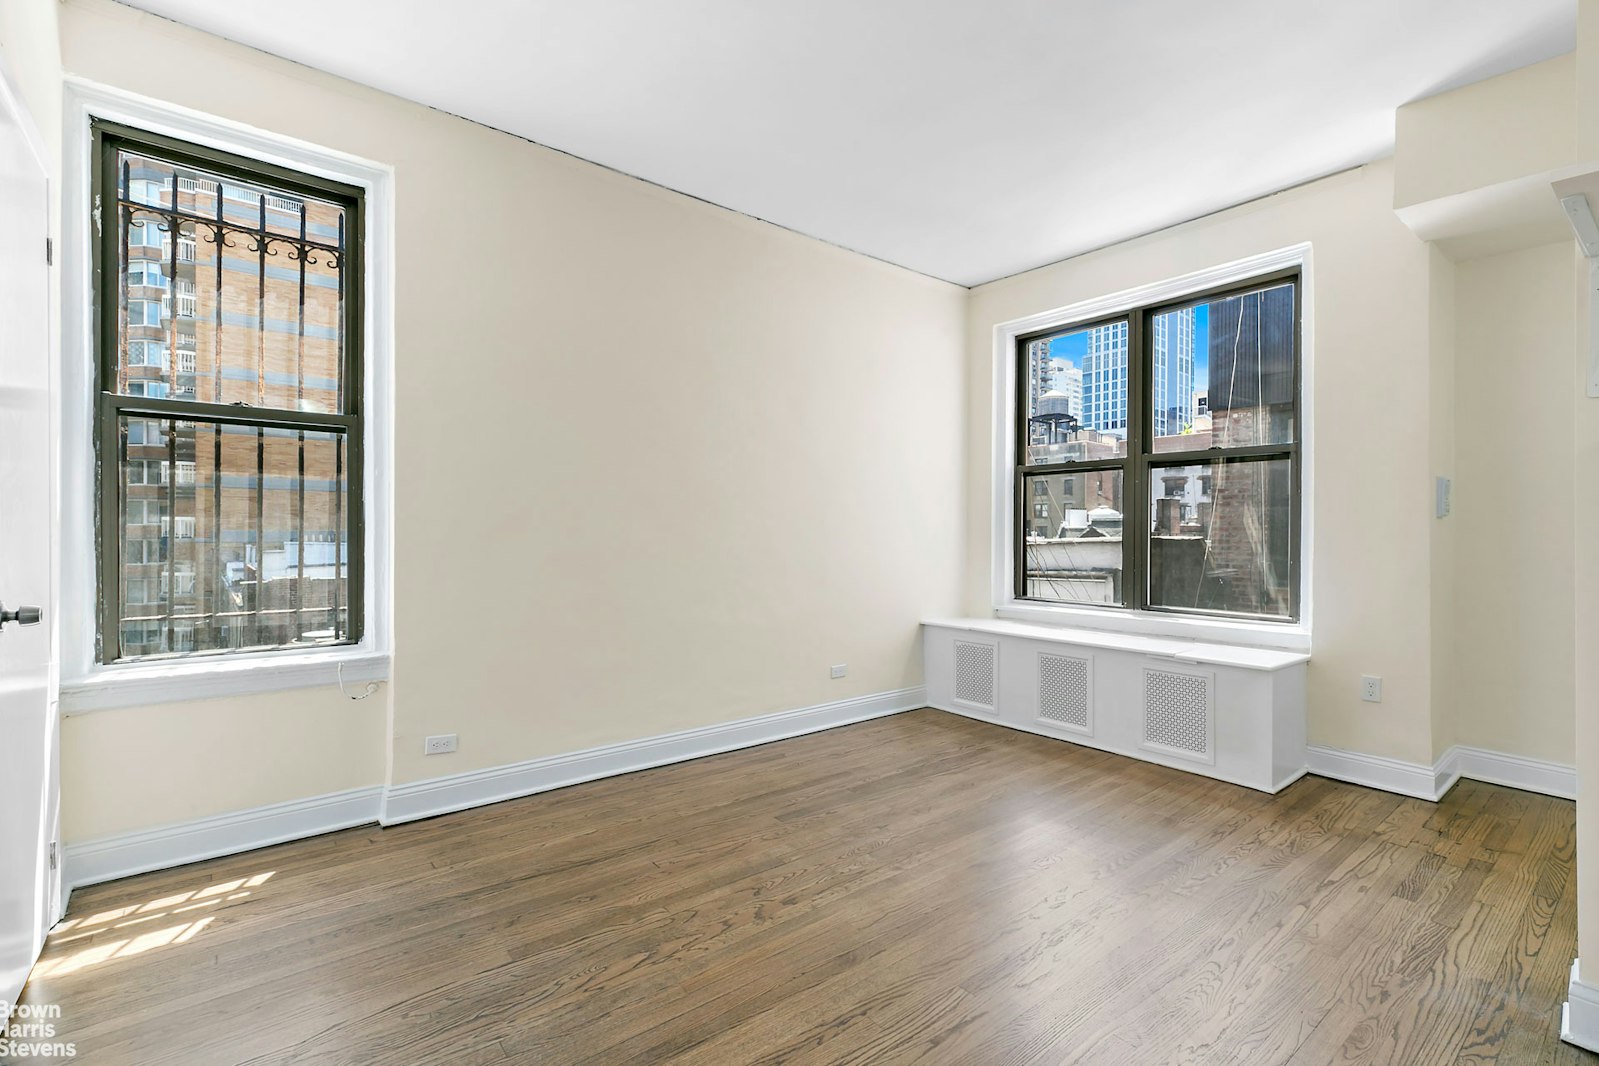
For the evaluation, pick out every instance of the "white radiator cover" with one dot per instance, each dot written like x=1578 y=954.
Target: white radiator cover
x=1237 y=714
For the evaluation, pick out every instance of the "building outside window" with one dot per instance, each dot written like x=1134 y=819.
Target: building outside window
x=1179 y=468
x=243 y=451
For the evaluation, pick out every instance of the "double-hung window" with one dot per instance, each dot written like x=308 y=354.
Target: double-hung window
x=247 y=447
x=1158 y=457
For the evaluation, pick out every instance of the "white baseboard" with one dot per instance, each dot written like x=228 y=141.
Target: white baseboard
x=456 y=792
x=1517 y=771
x=1579 y=1019
x=106 y=859
x=1085 y=740
x=1434 y=782
x=1446 y=772
x=1373 y=771
x=109 y=858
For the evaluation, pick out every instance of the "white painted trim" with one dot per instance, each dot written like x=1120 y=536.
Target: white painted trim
x=109 y=858
x=1446 y=773
x=1434 y=782
x=1159 y=624
x=126 y=854
x=1241 y=656
x=1006 y=605
x=455 y=792
x=1155 y=756
x=134 y=685
x=1374 y=771
x=89 y=684
x=1516 y=771
x=1579 y=1018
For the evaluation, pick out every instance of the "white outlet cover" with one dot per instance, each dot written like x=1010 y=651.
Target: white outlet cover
x=1371 y=689
x=442 y=744
x=841 y=670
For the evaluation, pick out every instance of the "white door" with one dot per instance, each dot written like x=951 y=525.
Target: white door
x=27 y=680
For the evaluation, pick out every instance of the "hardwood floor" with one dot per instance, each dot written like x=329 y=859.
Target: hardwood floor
x=917 y=888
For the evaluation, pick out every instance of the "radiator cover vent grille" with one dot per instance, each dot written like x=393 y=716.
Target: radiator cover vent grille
x=974 y=674
x=1063 y=691
x=1177 y=713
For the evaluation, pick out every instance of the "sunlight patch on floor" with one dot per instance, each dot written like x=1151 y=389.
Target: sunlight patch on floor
x=125 y=924
x=95 y=954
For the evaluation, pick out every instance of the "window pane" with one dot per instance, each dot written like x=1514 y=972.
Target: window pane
x=1223 y=372
x=1073 y=537
x=231 y=537
x=259 y=323
x=1077 y=395
x=1221 y=536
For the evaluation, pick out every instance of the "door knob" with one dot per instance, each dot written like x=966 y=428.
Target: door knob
x=27 y=616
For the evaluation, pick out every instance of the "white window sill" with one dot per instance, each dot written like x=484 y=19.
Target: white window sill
x=1185 y=651
x=1275 y=635
x=173 y=681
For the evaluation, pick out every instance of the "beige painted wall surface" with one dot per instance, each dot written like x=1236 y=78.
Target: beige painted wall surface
x=1514 y=503
x=1372 y=501
x=659 y=465
x=140 y=767
x=1493 y=131
x=1441 y=309
x=1585 y=632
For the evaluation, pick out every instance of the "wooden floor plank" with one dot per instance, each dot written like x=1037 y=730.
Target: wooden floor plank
x=919 y=888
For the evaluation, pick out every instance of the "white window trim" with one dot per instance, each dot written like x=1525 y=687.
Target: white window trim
x=1293 y=637
x=88 y=685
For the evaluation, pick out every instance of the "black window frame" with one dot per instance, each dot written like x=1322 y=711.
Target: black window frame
x=107 y=139
x=1140 y=460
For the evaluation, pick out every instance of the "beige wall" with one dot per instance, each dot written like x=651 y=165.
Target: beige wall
x=721 y=457
x=140 y=767
x=1443 y=540
x=1369 y=334
x=1514 y=508
x=658 y=466
x=1495 y=131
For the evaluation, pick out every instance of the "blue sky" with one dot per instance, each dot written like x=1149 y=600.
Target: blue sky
x=1073 y=345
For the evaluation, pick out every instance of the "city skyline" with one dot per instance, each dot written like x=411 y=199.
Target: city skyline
x=1089 y=366
x=1071 y=347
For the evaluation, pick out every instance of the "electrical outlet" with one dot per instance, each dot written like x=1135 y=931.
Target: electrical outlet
x=1371 y=689
x=841 y=670
x=439 y=745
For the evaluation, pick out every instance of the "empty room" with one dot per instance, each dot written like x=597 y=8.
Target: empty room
x=717 y=532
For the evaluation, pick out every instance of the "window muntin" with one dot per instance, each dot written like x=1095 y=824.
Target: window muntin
x=230 y=419
x=1210 y=468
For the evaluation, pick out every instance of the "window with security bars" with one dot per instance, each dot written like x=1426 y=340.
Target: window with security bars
x=1158 y=456
x=229 y=429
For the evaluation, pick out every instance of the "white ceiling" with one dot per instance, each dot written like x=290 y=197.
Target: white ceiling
x=967 y=140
